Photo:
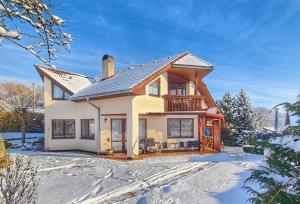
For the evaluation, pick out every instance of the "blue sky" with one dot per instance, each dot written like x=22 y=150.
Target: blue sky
x=253 y=44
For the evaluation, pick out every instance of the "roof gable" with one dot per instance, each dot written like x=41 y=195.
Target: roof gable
x=71 y=81
x=189 y=60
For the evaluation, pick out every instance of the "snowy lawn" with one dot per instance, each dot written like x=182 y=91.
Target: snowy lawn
x=72 y=177
x=33 y=140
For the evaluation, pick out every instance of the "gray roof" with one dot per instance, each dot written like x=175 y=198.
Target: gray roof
x=124 y=80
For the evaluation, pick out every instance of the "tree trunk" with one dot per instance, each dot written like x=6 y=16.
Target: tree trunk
x=23 y=128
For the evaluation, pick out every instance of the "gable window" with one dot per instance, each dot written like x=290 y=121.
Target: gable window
x=154 y=88
x=63 y=129
x=58 y=93
x=180 y=128
x=88 y=129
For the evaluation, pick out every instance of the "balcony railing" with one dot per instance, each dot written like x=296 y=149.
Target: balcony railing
x=183 y=102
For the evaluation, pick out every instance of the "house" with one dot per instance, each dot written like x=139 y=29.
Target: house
x=162 y=105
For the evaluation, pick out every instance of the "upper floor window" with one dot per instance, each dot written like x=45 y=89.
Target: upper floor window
x=154 y=88
x=58 y=93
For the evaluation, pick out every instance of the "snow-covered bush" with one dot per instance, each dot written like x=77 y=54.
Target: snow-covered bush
x=19 y=182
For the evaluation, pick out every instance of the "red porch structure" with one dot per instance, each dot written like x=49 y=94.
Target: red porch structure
x=209 y=126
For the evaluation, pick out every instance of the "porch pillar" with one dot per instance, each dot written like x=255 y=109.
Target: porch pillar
x=201 y=125
x=217 y=135
x=132 y=134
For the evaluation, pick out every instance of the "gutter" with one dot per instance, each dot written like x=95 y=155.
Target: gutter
x=98 y=124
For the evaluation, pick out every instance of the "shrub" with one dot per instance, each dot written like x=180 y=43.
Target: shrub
x=19 y=182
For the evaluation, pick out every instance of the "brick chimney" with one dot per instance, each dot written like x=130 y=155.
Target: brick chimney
x=108 y=66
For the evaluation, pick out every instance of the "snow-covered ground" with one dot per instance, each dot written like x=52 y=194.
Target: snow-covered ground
x=73 y=177
x=33 y=140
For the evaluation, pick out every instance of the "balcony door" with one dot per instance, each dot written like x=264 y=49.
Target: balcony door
x=118 y=135
x=177 y=89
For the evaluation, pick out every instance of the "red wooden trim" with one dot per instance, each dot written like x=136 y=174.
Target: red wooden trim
x=208 y=97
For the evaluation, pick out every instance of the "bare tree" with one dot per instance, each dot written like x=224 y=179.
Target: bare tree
x=43 y=28
x=19 y=182
x=18 y=98
x=262 y=118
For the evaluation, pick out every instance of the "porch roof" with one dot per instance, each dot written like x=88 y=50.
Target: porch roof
x=206 y=113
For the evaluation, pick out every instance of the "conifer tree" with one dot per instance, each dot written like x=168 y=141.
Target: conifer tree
x=279 y=179
x=244 y=118
x=227 y=107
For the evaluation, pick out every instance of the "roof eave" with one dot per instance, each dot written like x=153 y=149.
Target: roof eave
x=192 y=66
x=101 y=96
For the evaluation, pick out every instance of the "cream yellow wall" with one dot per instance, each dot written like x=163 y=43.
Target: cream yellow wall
x=157 y=128
x=120 y=105
x=60 y=109
x=190 y=88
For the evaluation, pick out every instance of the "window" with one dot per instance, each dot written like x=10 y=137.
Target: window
x=58 y=93
x=88 y=129
x=63 y=129
x=177 y=89
x=154 y=88
x=180 y=128
x=142 y=129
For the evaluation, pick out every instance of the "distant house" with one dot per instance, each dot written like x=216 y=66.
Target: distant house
x=162 y=105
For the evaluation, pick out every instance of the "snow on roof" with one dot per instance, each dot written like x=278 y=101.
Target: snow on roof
x=71 y=81
x=190 y=60
x=124 y=80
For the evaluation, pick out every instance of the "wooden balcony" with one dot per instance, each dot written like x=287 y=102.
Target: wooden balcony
x=183 y=102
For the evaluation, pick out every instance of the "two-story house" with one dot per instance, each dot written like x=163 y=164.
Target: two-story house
x=162 y=105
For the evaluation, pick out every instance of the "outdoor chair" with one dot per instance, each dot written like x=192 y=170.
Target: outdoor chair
x=150 y=145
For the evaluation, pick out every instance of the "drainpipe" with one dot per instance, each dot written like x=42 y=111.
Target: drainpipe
x=98 y=124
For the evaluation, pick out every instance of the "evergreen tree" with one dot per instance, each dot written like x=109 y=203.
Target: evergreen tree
x=279 y=179
x=227 y=107
x=244 y=119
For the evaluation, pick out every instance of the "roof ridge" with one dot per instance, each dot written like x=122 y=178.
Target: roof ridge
x=137 y=66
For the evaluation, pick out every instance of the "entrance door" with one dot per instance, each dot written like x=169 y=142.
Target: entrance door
x=118 y=135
